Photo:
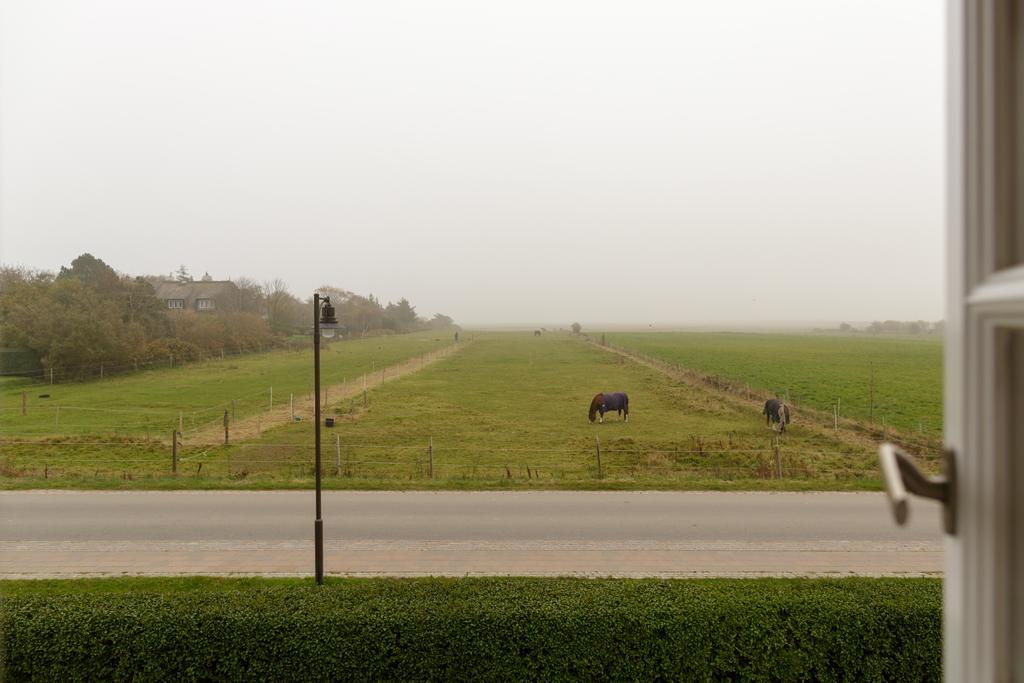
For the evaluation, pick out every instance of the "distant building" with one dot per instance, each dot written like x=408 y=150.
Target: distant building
x=204 y=296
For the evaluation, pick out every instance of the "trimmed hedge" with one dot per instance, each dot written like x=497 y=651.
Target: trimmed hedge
x=484 y=629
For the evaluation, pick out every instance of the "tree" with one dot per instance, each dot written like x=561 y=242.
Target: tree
x=441 y=322
x=250 y=296
x=402 y=315
x=846 y=327
x=182 y=275
x=142 y=306
x=93 y=273
x=576 y=328
x=285 y=313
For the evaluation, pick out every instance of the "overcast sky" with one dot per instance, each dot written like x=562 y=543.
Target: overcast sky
x=674 y=162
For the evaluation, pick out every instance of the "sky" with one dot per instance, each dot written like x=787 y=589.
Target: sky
x=663 y=163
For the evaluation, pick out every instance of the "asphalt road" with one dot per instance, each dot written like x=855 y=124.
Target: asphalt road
x=55 y=533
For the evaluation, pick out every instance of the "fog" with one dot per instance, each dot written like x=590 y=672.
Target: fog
x=641 y=163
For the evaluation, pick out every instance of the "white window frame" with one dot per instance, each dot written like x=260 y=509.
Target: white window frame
x=176 y=304
x=209 y=307
x=984 y=580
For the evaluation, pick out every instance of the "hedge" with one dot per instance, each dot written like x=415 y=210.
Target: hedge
x=484 y=629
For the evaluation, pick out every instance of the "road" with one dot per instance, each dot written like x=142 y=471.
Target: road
x=664 y=534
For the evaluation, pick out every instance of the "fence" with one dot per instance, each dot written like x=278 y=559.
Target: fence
x=424 y=461
x=248 y=414
x=832 y=418
x=109 y=368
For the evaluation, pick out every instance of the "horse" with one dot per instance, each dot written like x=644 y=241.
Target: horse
x=606 y=403
x=536 y=333
x=776 y=412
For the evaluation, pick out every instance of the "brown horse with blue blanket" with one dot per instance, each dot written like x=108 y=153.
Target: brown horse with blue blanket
x=606 y=403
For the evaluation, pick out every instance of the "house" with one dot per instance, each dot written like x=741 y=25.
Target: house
x=204 y=296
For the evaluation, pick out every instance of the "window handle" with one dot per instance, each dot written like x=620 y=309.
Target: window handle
x=901 y=475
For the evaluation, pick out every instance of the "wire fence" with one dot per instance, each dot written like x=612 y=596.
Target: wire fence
x=110 y=368
x=102 y=369
x=43 y=416
x=831 y=418
x=425 y=461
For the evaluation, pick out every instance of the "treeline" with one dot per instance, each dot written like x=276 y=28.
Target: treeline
x=898 y=327
x=88 y=316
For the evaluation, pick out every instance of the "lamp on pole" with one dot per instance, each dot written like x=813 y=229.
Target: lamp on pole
x=324 y=322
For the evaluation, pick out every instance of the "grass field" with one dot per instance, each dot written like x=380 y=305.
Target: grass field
x=816 y=370
x=149 y=403
x=508 y=410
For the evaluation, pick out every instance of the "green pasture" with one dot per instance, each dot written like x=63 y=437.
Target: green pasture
x=817 y=370
x=148 y=403
x=508 y=411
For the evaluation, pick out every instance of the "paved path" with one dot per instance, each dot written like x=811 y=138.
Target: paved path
x=54 y=533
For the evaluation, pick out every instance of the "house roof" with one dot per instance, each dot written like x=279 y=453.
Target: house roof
x=208 y=289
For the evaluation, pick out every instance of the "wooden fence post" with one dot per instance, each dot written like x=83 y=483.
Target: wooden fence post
x=366 y=400
x=101 y=370
x=778 y=458
x=174 y=452
x=430 y=458
x=337 y=454
x=600 y=472
x=271 y=398
x=225 y=427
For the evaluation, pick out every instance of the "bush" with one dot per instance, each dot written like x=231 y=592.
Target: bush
x=484 y=629
x=162 y=349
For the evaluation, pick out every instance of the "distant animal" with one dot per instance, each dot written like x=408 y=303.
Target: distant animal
x=776 y=413
x=536 y=333
x=606 y=403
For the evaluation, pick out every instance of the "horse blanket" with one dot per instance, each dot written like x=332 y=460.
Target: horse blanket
x=775 y=411
x=615 y=402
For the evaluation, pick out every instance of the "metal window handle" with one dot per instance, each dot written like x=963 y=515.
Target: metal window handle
x=901 y=475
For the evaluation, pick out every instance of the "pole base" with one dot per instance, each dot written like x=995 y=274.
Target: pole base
x=318 y=546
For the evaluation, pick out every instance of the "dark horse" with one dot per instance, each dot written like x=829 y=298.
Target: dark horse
x=777 y=412
x=606 y=403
